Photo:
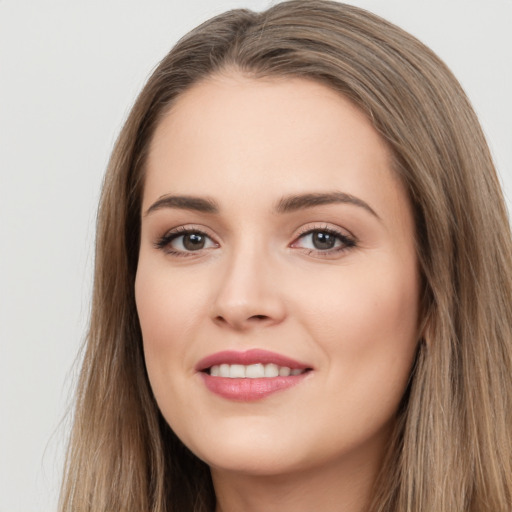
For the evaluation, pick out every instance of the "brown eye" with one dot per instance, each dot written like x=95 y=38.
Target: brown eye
x=185 y=242
x=194 y=241
x=323 y=240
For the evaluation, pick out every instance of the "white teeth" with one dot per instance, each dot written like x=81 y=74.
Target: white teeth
x=255 y=371
x=271 y=370
x=252 y=371
x=237 y=371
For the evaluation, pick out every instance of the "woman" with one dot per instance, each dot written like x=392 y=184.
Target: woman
x=303 y=280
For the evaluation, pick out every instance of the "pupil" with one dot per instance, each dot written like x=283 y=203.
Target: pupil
x=193 y=241
x=322 y=240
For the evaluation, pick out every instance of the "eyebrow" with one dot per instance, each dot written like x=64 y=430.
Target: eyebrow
x=287 y=204
x=198 y=204
x=300 y=201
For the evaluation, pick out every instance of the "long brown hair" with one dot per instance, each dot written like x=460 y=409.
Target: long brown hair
x=452 y=446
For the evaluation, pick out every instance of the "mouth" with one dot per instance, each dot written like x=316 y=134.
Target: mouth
x=253 y=371
x=250 y=375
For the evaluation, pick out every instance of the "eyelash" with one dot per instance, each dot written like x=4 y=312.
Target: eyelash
x=347 y=242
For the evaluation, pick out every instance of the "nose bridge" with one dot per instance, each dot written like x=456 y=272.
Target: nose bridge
x=247 y=292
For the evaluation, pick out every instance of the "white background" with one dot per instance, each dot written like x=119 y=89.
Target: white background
x=69 y=72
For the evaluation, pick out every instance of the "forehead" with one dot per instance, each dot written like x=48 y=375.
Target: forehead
x=263 y=114
x=258 y=137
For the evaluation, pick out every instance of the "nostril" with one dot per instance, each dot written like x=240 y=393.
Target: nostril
x=240 y=318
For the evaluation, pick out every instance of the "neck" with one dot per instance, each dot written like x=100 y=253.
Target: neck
x=345 y=486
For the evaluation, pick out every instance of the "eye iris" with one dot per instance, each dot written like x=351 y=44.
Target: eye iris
x=323 y=240
x=193 y=241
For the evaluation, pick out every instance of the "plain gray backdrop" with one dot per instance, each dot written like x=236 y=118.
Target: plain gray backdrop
x=69 y=72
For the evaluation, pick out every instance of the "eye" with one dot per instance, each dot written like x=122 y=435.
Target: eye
x=324 y=241
x=183 y=241
x=321 y=240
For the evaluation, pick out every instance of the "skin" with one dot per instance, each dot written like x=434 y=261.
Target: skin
x=351 y=315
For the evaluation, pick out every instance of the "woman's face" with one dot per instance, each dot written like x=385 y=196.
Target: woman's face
x=277 y=285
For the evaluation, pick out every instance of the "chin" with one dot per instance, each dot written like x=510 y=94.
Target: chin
x=246 y=450
x=254 y=462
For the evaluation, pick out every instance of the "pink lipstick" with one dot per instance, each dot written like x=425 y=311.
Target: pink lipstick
x=250 y=375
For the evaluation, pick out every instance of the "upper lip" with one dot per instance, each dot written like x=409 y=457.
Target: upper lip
x=253 y=356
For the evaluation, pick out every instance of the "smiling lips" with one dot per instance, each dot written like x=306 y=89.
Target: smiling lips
x=250 y=375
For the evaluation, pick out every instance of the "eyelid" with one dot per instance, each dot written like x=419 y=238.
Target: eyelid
x=324 y=226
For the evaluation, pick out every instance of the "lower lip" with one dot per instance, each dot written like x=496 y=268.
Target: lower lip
x=248 y=390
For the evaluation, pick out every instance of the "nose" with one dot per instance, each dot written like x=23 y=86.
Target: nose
x=248 y=295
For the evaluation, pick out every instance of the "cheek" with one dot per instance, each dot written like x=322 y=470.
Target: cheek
x=365 y=321
x=167 y=309
x=355 y=300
